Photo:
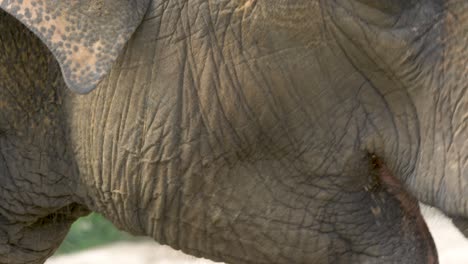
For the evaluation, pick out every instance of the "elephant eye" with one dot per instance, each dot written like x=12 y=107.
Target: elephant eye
x=390 y=7
x=383 y=13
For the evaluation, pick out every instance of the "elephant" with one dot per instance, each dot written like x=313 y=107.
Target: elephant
x=462 y=225
x=242 y=131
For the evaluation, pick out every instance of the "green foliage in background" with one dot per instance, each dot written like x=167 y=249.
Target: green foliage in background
x=91 y=231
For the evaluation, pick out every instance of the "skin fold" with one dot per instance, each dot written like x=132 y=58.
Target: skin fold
x=462 y=224
x=243 y=131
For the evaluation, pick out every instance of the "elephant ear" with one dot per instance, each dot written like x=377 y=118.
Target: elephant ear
x=85 y=36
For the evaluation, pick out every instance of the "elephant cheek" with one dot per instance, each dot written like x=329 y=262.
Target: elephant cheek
x=413 y=220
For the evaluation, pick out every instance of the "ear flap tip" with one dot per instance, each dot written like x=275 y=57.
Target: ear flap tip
x=80 y=88
x=82 y=79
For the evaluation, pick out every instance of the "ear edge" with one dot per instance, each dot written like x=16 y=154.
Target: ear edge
x=85 y=49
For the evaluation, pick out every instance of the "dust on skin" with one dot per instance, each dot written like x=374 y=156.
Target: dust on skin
x=246 y=4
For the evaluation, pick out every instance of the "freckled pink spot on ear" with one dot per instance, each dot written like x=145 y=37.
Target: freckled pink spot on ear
x=85 y=36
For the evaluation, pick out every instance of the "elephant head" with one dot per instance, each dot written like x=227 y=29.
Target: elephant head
x=244 y=131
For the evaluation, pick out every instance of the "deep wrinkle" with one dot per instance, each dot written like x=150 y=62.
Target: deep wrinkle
x=408 y=203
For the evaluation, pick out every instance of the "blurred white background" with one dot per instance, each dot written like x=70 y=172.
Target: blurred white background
x=451 y=244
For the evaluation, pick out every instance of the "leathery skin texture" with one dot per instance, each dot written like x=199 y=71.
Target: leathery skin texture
x=246 y=131
x=37 y=174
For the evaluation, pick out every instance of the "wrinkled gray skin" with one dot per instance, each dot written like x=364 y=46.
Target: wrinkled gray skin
x=244 y=131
